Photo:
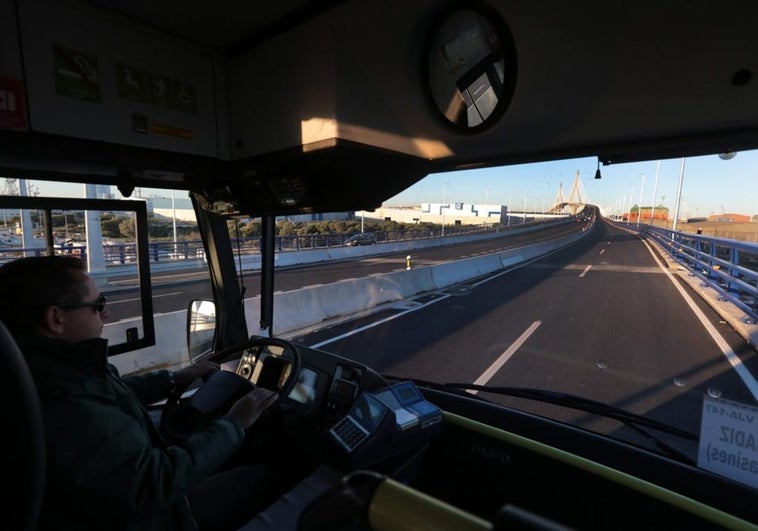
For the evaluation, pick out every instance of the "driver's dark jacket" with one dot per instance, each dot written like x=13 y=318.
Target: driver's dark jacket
x=108 y=466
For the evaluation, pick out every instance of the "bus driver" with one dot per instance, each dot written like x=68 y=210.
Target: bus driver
x=108 y=465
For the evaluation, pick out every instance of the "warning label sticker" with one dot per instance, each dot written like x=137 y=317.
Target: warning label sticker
x=170 y=130
x=12 y=105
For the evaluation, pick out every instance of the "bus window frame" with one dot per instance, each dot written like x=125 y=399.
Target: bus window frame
x=48 y=204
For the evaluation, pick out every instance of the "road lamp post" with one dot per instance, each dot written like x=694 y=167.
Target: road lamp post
x=442 y=208
x=639 y=207
x=622 y=206
x=655 y=192
x=679 y=194
x=173 y=216
x=631 y=191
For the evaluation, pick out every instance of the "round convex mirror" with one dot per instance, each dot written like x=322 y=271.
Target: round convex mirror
x=471 y=67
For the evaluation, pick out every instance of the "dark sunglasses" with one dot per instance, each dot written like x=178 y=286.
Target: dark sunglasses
x=99 y=305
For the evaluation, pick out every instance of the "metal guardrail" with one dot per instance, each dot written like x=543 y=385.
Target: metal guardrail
x=116 y=254
x=730 y=267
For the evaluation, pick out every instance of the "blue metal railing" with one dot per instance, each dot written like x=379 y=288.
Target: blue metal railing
x=728 y=266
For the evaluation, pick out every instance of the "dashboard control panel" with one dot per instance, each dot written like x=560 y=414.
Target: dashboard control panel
x=385 y=422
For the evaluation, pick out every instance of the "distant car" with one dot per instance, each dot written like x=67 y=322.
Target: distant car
x=362 y=238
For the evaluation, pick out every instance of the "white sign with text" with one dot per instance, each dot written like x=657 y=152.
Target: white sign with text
x=729 y=440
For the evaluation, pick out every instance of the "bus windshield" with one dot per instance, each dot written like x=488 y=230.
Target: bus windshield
x=539 y=219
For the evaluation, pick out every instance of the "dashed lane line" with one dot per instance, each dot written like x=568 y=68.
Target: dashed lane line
x=505 y=356
x=112 y=302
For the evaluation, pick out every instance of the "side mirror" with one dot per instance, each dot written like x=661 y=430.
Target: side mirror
x=201 y=327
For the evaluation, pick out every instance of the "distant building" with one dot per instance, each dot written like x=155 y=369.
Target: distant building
x=181 y=207
x=455 y=213
x=451 y=213
x=320 y=216
x=646 y=213
x=104 y=191
x=730 y=218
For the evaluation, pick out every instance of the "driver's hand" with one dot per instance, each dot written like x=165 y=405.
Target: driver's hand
x=184 y=377
x=247 y=409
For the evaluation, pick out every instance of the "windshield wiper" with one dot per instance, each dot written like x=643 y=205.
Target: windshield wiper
x=636 y=422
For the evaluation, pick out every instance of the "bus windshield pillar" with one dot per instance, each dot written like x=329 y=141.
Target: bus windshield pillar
x=268 y=236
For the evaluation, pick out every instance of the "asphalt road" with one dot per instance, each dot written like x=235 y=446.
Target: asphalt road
x=601 y=320
x=172 y=291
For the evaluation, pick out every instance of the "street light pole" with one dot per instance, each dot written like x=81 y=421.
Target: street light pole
x=622 y=206
x=679 y=194
x=631 y=192
x=639 y=207
x=444 y=202
x=173 y=215
x=655 y=191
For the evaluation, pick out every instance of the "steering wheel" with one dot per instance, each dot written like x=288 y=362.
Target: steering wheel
x=266 y=362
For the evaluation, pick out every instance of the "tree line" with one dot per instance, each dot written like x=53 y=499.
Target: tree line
x=116 y=226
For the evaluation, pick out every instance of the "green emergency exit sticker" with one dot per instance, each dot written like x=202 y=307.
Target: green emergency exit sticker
x=149 y=88
x=76 y=74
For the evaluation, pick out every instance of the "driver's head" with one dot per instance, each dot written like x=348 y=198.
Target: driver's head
x=51 y=296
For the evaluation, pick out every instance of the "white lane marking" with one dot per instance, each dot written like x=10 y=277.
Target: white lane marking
x=505 y=356
x=377 y=323
x=602 y=251
x=433 y=301
x=175 y=275
x=110 y=302
x=586 y=270
x=731 y=357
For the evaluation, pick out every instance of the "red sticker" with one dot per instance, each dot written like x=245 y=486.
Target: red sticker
x=12 y=105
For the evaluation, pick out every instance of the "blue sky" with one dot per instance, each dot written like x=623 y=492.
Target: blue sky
x=709 y=184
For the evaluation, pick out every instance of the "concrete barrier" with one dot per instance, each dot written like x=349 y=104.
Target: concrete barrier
x=307 y=307
x=169 y=351
x=252 y=262
x=297 y=310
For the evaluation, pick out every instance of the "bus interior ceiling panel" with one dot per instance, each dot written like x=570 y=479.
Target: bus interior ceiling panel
x=334 y=105
x=111 y=79
x=608 y=84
